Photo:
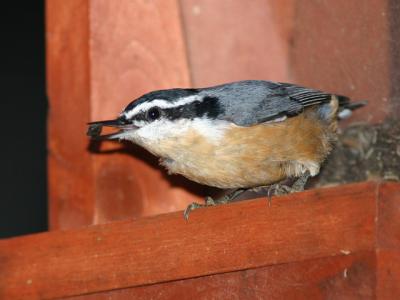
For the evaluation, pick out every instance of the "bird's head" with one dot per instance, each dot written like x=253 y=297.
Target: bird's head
x=161 y=115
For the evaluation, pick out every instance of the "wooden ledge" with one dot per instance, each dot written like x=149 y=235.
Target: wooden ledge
x=326 y=222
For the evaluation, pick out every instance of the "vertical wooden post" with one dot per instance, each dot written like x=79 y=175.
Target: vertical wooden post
x=136 y=47
x=101 y=56
x=71 y=192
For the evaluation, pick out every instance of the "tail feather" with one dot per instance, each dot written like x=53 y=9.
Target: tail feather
x=346 y=107
x=343 y=100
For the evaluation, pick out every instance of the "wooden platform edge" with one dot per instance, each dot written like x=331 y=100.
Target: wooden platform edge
x=335 y=277
x=317 y=223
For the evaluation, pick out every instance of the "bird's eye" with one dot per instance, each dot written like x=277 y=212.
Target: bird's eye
x=153 y=113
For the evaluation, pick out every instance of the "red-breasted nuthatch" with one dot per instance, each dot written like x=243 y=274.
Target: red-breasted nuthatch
x=238 y=135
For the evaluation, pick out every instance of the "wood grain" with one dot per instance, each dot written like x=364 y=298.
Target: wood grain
x=388 y=274
x=339 y=277
x=388 y=241
x=71 y=197
x=346 y=48
x=100 y=57
x=250 y=234
x=136 y=47
x=234 y=40
x=388 y=225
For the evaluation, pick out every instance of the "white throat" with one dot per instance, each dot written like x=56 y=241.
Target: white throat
x=161 y=130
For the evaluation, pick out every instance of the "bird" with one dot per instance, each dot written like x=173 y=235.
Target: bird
x=236 y=136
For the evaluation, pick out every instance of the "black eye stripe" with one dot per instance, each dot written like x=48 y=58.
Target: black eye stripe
x=207 y=107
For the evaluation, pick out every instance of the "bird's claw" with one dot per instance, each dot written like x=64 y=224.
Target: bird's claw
x=282 y=189
x=210 y=201
x=278 y=189
x=189 y=208
x=194 y=205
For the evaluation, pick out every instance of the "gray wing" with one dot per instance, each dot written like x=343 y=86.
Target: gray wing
x=252 y=102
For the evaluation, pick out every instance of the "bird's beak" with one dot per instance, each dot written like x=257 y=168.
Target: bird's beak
x=95 y=128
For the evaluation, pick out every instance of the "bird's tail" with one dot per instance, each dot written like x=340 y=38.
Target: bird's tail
x=346 y=107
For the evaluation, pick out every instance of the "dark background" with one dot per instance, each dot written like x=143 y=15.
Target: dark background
x=23 y=204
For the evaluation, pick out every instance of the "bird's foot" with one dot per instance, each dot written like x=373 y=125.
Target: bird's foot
x=277 y=189
x=299 y=184
x=192 y=206
x=280 y=189
x=230 y=197
x=212 y=202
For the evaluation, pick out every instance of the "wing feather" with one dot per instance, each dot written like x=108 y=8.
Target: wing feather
x=252 y=102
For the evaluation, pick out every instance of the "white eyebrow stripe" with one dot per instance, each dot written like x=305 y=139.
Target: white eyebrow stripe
x=161 y=104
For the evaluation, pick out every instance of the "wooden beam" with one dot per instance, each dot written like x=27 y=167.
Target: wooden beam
x=388 y=242
x=99 y=59
x=388 y=225
x=388 y=274
x=136 y=47
x=71 y=196
x=317 y=223
x=337 y=277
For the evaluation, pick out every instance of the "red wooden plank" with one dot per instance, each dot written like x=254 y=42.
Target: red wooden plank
x=388 y=241
x=339 y=277
x=250 y=234
x=69 y=164
x=99 y=58
x=136 y=47
x=344 y=47
x=236 y=40
x=388 y=274
x=388 y=226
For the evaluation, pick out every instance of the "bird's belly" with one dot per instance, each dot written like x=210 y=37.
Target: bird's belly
x=226 y=172
x=250 y=156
